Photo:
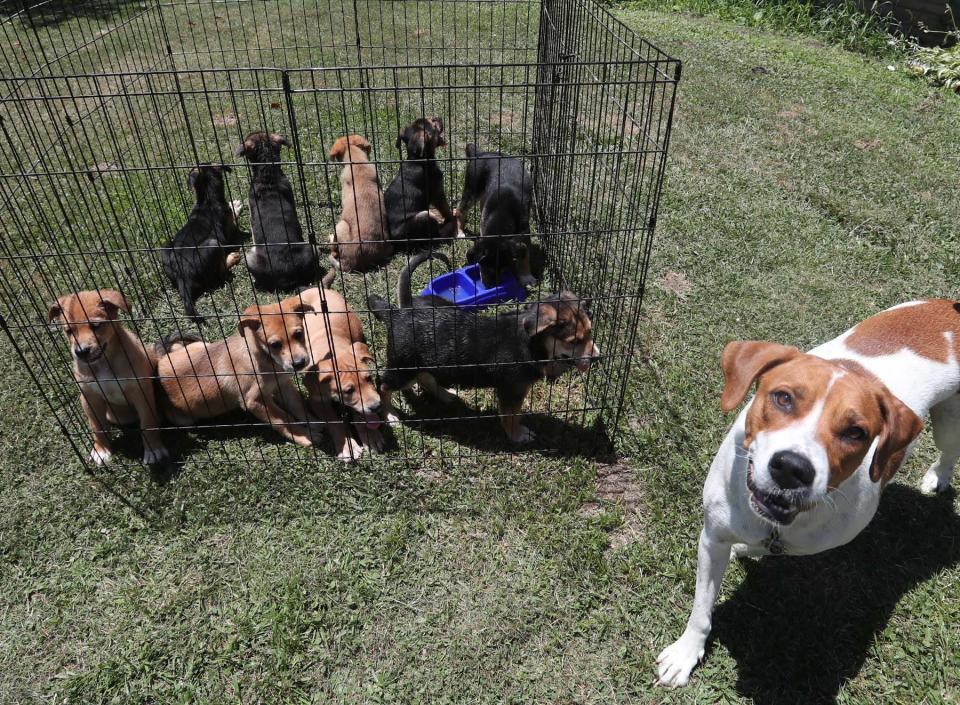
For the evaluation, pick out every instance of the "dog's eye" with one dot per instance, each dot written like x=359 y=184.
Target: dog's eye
x=298 y=335
x=783 y=400
x=277 y=345
x=348 y=389
x=854 y=434
x=95 y=324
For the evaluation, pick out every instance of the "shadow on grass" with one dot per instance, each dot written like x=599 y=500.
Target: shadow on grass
x=800 y=627
x=53 y=12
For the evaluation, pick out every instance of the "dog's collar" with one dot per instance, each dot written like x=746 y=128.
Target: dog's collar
x=774 y=543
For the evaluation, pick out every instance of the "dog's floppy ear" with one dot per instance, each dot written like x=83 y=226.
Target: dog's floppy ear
x=438 y=124
x=242 y=149
x=900 y=427
x=111 y=301
x=56 y=309
x=361 y=142
x=338 y=149
x=362 y=353
x=743 y=362
x=280 y=140
x=192 y=179
x=250 y=319
x=539 y=317
x=403 y=137
x=302 y=308
x=324 y=368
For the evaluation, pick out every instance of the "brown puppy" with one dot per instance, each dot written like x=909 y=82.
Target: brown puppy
x=249 y=370
x=342 y=371
x=361 y=238
x=114 y=370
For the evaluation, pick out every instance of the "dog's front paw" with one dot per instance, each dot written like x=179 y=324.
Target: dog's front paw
x=372 y=439
x=934 y=482
x=392 y=418
x=675 y=663
x=155 y=456
x=233 y=259
x=351 y=450
x=100 y=455
x=523 y=435
x=236 y=206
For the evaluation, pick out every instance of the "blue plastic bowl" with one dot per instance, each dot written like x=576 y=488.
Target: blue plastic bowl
x=464 y=288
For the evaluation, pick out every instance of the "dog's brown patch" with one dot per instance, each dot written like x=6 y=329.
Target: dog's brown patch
x=919 y=328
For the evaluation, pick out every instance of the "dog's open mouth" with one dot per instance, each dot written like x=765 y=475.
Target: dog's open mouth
x=773 y=507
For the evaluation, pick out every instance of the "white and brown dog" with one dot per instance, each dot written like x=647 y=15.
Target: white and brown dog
x=802 y=468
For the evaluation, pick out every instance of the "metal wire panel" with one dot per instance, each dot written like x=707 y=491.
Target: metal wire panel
x=109 y=105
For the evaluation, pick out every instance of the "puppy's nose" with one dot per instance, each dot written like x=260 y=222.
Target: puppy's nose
x=374 y=406
x=299 y=363
x=791 y=470
x=81 y=352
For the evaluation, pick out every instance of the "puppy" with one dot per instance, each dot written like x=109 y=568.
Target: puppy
x=362 y=234
x=280 y=259
x=114 y=370
x=502 y=186
x=441 y=345
x=342 y=370
x=418 y=186
x=199 y=256
x=803 y=467
x=251 y=370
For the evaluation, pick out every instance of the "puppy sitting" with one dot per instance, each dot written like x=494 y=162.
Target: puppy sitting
x=361 y=239
x=418 y=186
x=502 y=186
x=440 y=345
x=199 y=256
x=250 y=370
x=342 y=371
x=280 y=259
x=113 y=369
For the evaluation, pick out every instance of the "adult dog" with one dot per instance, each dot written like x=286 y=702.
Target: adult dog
x=802 y=469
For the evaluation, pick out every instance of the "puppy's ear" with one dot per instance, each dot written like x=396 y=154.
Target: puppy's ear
x=324 y=368
x=250 y=319
x=361 y=142
x=743 y=362
x=338 y=149
x=403 y=137
x=417 y=143
x=56 y=309
x=241 y=150
x=438 y=124
x=192 y=179
x=111 y=301
x=539 y=317
x=302 y=308
x=362 y=354
x=900 y=427
x=280 y=140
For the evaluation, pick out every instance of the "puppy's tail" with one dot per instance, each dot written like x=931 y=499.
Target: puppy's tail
x=329 y=277
x=404 y=295
x=169 y=342
x=379 y=307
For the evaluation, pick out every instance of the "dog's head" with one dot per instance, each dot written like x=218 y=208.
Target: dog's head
x=561 y=324
x=423 y=138
x=350 y=379
x=277 y=329
x=88 y=321
x=207 y=178
x=495 y=256
x=811 y=425
x=262 y=147
x=350 y=148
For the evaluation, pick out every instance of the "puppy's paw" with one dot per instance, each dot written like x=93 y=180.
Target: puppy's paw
x=236 y=206
x=233 y=259
x=447 y=396
x=934 y=482
x=155 y=456
x=675 y=663
x=351 y=450
x=372 y=439
x=302 y=439
x=100 y=455
x=392 y=418
x=523 y=435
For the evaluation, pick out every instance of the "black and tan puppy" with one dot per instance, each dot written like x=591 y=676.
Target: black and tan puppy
x=199 y=256
x=418 y=186
x=113 y=369
x=280 y=259
x=440 y=345
x=502 y=187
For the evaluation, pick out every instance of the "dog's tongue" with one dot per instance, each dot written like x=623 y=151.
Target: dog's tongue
x=371 y=420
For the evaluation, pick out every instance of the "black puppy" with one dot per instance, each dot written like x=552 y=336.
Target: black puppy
x=199 y=256
x=502 y=186
x=419 y=185
x=280 y=259
x=440 y=345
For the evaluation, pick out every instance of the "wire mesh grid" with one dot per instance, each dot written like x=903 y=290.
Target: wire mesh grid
x=110 y=106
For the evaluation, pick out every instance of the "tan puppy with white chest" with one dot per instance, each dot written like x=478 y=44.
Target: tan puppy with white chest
x=114 y=370
x=803 y=467
x=342 y=370
x=252 y=370
x=362 y=234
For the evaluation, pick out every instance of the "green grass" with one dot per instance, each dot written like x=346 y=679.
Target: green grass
x=799 y=199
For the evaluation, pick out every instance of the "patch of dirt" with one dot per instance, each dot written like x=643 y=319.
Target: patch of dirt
x=420 y=32
x=225 y=120
x=794 y=111
x=617 y=485
x=102 y=169
x=430 y=475
x=868 y=145
x=675 y=283
x=507 y=120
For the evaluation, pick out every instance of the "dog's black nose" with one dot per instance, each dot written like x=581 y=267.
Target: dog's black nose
x=374 y=406
x=299 y=363
x=81 y=352
x=791 y=470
